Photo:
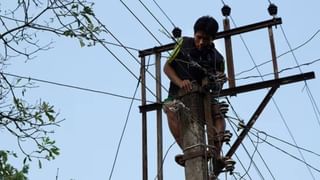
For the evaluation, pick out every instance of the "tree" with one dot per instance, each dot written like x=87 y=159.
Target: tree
x=22 y=22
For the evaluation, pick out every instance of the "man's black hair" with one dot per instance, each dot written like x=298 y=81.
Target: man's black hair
x=206 y=24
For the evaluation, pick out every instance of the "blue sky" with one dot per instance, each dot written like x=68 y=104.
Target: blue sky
x=89 y=136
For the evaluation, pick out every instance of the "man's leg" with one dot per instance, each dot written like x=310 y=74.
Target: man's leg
x=219 y=126
x=174 y=126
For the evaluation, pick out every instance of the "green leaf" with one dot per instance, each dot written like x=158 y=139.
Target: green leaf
x=74 y=14
x=87 y=18
x=24 y=91
x=25 y=160
x=18 y=80
x=88 y=10
x=69 y=33
x=39 y=164
x=82 y=44
x=75 y=6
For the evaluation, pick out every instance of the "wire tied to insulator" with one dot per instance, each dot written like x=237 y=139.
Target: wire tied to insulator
x=194 y=146
x=224 y=108
x=241 y=125
x=176 y=32
x=227 y=136
x=226 y=10
x=176 y=105
x=273 y=10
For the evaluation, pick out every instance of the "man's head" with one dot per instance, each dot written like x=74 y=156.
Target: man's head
x=205 y=29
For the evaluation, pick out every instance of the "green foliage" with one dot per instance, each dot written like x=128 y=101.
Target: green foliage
x=33 y=123
x=84 y=29
x=8 y=172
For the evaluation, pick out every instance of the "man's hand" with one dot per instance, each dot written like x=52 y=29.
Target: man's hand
x=221 y=77
x=186 y=85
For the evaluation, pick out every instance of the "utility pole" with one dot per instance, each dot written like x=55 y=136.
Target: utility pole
x=197 y=117
x=194 y=137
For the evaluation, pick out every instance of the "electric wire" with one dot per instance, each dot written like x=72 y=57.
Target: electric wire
x=268 y=135
x=164 y=158
x=282 y=70
x=311 y=98
x=222 y=1
x=242 y=165
x=123 y=131
x=149 y=11
x=108 y=49
x=246 y=150
x=309 y=94
x=294 y=49
x=128 y=114
x=283 y=141
x=285 y=152
x=247 y=49
x=251 y=159
x=255 y=148
x=71 y=86
x=165 y=14
x=120 y=45
x=264 y=162
x=291 y=135
x=145 y=27
x=130 y=53
x=124 y=128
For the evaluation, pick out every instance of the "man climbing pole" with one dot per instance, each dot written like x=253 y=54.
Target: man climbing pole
x=192 y=61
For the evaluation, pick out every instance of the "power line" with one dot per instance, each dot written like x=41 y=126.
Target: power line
x=310 y=95
x=285 y=142
x=111 y=52
x=308 y=90
x=247 y=48
x=168 y=33
x=165 y=14
x=124 y=128
x=241 y=164
x=123 y=131
x=134 y=57
x=120 y=45
x=294 y=49
x=251 y=159
x=283 y=70
x=291 y=135
x=145 y=27
x=285 y=152
x=71 y=86
x=222 y=1
x=238 y=118
x=247 y=152
x=164 y=158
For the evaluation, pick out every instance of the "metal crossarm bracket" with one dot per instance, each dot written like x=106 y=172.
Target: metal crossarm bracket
x=231 y=32
x=245 y=88
x=265 y=84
